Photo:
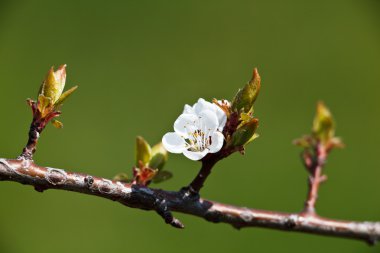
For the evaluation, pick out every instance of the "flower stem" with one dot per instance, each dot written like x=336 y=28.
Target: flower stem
x=198 y=182
x=207 y=164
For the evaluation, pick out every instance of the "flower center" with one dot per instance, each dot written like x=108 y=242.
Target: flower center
x=198 y=140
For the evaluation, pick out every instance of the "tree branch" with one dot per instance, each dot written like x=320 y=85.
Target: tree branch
x=207 y=164
x=316 y=177
x=163 y=202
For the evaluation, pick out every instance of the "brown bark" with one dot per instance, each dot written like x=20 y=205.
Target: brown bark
x=164 y=202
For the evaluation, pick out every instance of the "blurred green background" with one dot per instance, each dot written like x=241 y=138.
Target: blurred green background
x=137 y=63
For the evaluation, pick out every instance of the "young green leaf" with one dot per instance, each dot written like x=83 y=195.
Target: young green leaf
x=43 y=103
x=159 y=157
x=323 y=125
x=162 y=176
x=65 y=95
x=245 y=133
x=143 y=151
x=57 y=123
x=54 y=83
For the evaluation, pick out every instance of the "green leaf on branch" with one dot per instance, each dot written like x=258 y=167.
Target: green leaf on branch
x=65 y=95
x=43 y=103
x=162 y=176
x=57 y=123
x=323 y=125
x=323 y=132
x=54 y=83
x=159 y=157
x=245 y=133
x=143 y=151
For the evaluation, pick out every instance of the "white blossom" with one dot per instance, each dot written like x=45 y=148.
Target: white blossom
x=197 y=131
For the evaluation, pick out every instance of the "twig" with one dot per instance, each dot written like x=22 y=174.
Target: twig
x=198 y=182
x=163 y=202
x=207 y=164
x=316 y=177
x=34 y=134
x=37 y=125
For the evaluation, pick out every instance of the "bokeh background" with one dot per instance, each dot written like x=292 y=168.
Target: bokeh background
x=137 y=63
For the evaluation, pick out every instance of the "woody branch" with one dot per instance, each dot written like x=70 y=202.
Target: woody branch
x=163 y=202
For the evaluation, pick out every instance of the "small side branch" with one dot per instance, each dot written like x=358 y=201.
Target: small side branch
x=30 y=148
x=36 y=127
x=165 y=202
x=207 y=164
x=314 y=166
x=198 y=182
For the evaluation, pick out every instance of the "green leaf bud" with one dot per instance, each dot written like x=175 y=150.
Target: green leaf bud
x=245 y=133
x=245 y=98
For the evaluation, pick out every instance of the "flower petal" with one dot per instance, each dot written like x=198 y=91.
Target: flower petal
x=188 y=109
x=185 y=124
x=195 y=156
x=173 y=143
x=208 y=121
x=202 y=105
x=222 y=118
x=217 y=140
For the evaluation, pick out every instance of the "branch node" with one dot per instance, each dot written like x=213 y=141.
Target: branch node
x=56 y=176
x=189 y=194
x=247 y=215
x=237 y=226
x=291 y=221
x=309 y=210
x=40 y=188
x=215 y=217
x=106 y=187
x=373 y=233
x=163 y=210
x=323 y=178
x=88 y=180
x=372 y=241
